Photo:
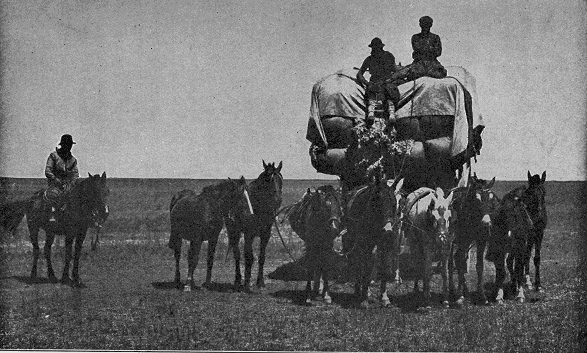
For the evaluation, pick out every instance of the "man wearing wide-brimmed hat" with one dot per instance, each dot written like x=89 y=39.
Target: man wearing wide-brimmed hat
x=381 y=66
x=61 y=170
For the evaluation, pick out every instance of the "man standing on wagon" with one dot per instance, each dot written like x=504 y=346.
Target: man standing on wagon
x=61 y=170
x=381 y=66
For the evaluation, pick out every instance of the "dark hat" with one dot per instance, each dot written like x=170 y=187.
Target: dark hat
x=376 y=43
x=66 y=140
x=426 y=20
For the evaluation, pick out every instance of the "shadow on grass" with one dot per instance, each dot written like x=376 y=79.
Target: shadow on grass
x=44 y=280
x=213 y=287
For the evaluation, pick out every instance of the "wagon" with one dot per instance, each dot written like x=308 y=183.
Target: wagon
x=438 y=126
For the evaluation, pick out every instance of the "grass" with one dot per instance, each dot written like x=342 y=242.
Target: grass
x=129 y=301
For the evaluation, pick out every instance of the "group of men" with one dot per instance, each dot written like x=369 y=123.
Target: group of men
x=386 y=75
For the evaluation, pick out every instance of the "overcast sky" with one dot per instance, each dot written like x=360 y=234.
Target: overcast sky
x=207 y=89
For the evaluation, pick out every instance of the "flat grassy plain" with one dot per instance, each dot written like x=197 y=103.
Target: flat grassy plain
x=129 y=301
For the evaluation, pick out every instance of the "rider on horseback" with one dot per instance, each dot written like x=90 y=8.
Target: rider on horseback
x=61 y=171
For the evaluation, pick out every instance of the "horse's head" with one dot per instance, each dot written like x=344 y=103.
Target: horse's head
x=393 y=203
x=237 y=197
x=440 y=208
x=485 y=199
x=533 y=198
x=96 y=192
x=272 y=175
x=327 y=207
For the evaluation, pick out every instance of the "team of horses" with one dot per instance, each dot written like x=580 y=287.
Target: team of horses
x=439 y=226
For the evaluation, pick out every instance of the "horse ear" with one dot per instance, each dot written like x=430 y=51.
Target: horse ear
x=543 y=177
x=264 y=164
x=104 y=175
x=490 y=185
x=279 y=166
x=440 y=192
x=449 y=197
x=529 y=176
x=243 y=179
x=89 y=175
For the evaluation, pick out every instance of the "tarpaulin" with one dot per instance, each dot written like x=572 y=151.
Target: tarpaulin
x=341 y=95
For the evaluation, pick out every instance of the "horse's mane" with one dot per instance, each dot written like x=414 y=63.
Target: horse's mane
x=216 y=189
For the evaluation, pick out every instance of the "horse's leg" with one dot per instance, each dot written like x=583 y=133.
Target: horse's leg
x=210 y=263
x=234 y=238
x=460 y=263
x=427 y=276
x=193 y=256
x=520 y=263
x=68 y=251
x=500 y=274
x=526 y=274
x=481 y=244
x=537 y=249
x=262 y=248
x=326 y=289
x=249 y=259
x=445 y=277
x=308 y=293
x=79 y=241
x=177 y=255
x=34 y=237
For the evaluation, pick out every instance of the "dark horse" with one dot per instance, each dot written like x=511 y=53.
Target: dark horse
x=522 y=213
x=316 y=219
x=85 y=206
x=265 y=196
x=372 y=220
x=475 y=206
x=198 y=218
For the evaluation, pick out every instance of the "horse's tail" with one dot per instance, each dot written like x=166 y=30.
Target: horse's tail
x=12 y=213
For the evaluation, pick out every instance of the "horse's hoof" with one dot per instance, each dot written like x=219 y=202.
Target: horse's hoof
x=77 y=284
x=445 y=304
x=520 y=300
x=187 y=288
x=539 y=289
x=364 y=304
x=424 y=309
x=308 y=302
x=460 y=302
x=328 y=300
x=53 y=279
x=499 y=302
x=207 y=285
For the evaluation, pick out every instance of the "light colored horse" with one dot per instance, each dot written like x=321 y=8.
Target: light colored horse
x=428 y=233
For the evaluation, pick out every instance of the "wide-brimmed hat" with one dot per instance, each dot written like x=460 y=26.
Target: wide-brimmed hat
x=376 y=43
x=426 y=20
x=66 y=140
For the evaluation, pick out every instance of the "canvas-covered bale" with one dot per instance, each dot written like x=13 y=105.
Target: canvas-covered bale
x=438 y=115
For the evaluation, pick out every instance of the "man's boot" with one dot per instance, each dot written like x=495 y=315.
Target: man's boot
x=371 y=107
x=392 y=117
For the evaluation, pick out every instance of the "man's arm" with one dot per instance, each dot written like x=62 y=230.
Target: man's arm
x=49 y=169
x=437 y=46
x=74 y=170
x=362 y=70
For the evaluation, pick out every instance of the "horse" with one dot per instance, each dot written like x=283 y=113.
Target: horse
x=198 y=218
x=316 y=219
x=265 y=197
x=519 y=226
x=371 y=218
x=475 y=206
x=429 y=216
x=84 y=206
